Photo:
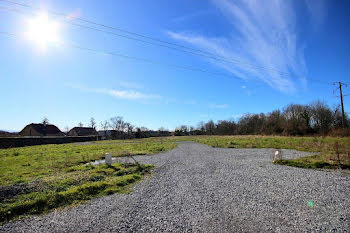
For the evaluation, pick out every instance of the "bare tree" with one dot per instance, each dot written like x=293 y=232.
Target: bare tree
x=226 y=127
x=163 y=131
x=210 y=127
x=129 y=128
x=295 y=120
x=118 y=124
x=184 y=129
x=322 y=117
x=45 y=121
x=191 y=130
x=80 y=124
x=104 y=127
x=92 y=123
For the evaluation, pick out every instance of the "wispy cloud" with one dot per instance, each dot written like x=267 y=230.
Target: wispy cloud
x=128 y=94
x=318 y=12
x=121 y=94
x=219 y=106
x=263 y=33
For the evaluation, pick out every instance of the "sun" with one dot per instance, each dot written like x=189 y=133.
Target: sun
x=42 y=31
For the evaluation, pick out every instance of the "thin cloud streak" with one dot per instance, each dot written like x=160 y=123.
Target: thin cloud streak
x=264 y=33
x=318 y=12
x=121 y=94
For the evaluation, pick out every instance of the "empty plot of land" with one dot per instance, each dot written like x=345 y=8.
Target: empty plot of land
x=196 y=188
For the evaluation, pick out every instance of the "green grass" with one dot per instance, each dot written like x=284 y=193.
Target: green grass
x=57 y=175
x=25 y=164
x=328 y=148
x=80 y=184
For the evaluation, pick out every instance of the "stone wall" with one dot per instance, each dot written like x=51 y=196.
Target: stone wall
x=9 y=142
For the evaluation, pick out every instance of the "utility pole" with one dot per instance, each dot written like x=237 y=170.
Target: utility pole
x=341 y=100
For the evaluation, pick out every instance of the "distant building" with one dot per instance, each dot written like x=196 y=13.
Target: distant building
x=107 y=133
x=82 y=131
x=7 y=134
x=41 y=130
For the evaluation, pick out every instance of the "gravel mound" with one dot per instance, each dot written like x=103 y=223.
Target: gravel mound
x=196 y=188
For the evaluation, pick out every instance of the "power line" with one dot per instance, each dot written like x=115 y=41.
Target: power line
x=198 y=53
x=129 y=57
x=106 y=26
x=211 y=56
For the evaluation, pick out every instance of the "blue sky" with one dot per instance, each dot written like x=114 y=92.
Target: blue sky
x=293 y=42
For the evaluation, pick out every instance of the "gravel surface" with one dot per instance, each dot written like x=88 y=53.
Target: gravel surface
x=196 y=188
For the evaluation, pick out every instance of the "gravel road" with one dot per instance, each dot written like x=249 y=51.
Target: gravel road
x=196 y=188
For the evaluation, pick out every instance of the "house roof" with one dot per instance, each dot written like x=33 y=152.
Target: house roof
x=84 y=131
x=46 y=129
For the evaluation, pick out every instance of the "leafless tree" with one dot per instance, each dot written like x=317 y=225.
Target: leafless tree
x=163 y=131
x=295 y=120
x=129 y=128
x=274 y=123
x=92 y=123
x=118 y=124
x=322 y=117
x=191 y=130
x=226 y=127
x=104 y=127
x=45 y=121
x=210 y=127
x=80 y=124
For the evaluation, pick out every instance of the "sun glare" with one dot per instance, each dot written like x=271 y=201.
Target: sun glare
x=42 y=31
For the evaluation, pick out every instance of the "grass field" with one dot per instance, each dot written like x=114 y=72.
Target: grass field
x=36 y=179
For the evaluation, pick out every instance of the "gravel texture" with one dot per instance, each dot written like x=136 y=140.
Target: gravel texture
x=196 y=188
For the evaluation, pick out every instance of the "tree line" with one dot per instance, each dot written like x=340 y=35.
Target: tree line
x=118 y=128
x=295 y=119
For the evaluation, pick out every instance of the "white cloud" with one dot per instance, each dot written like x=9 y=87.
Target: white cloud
x=128 y=94
x=121 y=94
x=317 y=11
x=220 y=106
x=264 y=34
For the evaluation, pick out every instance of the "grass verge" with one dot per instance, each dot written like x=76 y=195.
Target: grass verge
x=37 y=179
x=27 y=164
x=79 y=184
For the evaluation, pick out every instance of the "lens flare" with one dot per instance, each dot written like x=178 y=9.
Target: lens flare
x=42 y=31
x=310 y=203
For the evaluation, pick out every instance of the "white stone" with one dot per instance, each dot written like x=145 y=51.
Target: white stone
x=108 y=159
